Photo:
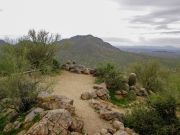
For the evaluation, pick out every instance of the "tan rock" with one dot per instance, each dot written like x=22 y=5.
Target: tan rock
x=121 y=132
x=111 y=115
x=103 y=131
x=54 y=122
x=30 y=116
x=57 y=102
x=118 y=125
x=86 y=96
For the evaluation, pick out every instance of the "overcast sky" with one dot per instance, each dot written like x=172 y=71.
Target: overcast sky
x=120 y=22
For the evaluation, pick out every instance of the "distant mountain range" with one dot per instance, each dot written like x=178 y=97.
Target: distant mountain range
x=90 y=50
x=158 y=51
x=2 y=42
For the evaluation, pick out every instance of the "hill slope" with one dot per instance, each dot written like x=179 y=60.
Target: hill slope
x=90 y=50
x=2 y=42
x=157 y=51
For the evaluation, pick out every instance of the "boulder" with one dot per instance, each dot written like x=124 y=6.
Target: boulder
x=92 y=71
x=86 y=71
x=86 y=96
x=103 y=131
x=98 y=87
x=57 y=102
x=11 y=114
x=121 y=132
x=111 y=115
x=118 y=92
x=77 y=125
x=75 y=133
x=57 y=121
x=142 y=92
x=111 y=130
x=102 y=94
x=133 y=88
x=118 y=125
x=30 y=116
x=99 y=106
x=124 y=93
x=23 y=132
x=12 y=126
x=132 y=79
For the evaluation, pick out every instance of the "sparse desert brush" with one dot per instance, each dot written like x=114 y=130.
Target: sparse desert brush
x=158 y=116
x=20 y=92
x=111 y=75
x=151 y=75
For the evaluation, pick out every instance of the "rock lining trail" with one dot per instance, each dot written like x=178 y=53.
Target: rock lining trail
x=72 y=85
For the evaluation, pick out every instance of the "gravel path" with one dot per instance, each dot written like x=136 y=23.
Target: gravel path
x=72 y=85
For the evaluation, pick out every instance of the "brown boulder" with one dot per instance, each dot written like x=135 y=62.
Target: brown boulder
x=57 y=121
x=57 y=102
x=111 y=115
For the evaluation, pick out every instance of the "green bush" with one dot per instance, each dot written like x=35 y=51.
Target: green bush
x=165 y=107
x=111 y=75
x=131 y=96
x=143 y=121
x=12 y=60
x=158 y=117
x=34 y=52
x=20 y=91
x=151 y=75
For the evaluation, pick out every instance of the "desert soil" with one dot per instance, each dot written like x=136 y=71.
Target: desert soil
x=72 y=85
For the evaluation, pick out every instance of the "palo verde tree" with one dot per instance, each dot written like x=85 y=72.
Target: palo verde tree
x=40 y=49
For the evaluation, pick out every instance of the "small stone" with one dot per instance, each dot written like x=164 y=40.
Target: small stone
x=111 y=130
x=120 y=132
x=103 y=131
x=86 y=96
x=118 y=125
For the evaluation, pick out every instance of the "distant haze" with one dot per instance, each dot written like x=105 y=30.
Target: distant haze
x=120 y=22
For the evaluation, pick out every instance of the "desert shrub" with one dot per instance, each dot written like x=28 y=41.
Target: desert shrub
x=151 y=75
x=40 y=50
x=20 y=91
x=55 y=65
x=112 y=76
x=157 y=117
x=143 y=120
x=131 y=96
x=12 y=60
x=33 y=52
x=103 y=70
x=165 y=106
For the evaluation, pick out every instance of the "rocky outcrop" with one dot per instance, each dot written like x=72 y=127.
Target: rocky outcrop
x=99 y=92
x=57 y=121
x=105 y=111
x=52 y=102
x=117 y=129
x=12 y=126
x=111 y=115
x=32 y=114
x=77 y=68
x=139 y=91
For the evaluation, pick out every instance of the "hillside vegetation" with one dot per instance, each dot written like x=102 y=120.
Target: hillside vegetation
x=91 y=51
x=147 y=89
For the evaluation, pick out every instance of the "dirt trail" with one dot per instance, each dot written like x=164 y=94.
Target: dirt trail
x=72 y=85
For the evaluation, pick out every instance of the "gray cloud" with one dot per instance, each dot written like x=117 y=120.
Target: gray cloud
x=162 y=12
x=163 y=41
x=160 y=18
x=116 y=39
x=171 y=32
x=149 y=3
x=1 y=10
